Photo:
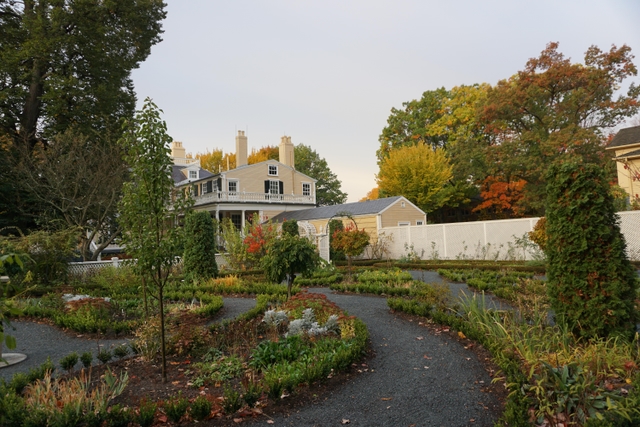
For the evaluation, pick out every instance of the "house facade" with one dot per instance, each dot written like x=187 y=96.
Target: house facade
x=266 y=188
x=626 y=146
x=370 y=216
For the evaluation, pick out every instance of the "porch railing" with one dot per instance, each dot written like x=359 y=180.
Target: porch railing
x=238 y=196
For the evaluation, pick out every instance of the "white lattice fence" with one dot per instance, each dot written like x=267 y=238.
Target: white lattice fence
x=487 y=239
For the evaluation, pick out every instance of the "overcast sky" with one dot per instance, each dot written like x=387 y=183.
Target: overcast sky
x=327 y=73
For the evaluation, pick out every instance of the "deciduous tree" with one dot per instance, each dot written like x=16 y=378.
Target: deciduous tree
x=555 y=111
x=350 y=241
x=418 y=173
x=288 y=255
x=147 y=212
x=65 y=63
x=328 y=186
x=78 y=180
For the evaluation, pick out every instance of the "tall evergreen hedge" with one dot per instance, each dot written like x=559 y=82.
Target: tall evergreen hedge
x=199 y=247
x=591 y=283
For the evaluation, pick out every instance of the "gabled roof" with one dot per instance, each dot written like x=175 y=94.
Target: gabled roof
x=369 y=207
x=272 y=162
x=626 y=136
x=634 y=153
x=179 y=178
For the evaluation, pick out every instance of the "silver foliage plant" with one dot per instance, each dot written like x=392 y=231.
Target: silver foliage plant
x=305 y=325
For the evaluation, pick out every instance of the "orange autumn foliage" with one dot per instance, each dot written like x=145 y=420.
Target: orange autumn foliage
x=500 y=198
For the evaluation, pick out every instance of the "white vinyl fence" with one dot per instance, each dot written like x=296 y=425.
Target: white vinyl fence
x=499 y=239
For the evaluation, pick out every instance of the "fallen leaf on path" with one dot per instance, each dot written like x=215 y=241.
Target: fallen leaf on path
x=426 y=357
x=419 y=338
x=345 y=421
x=270 y=422
x=461 y=335
x=387 y=398
x=162 y=418
x=237 y=420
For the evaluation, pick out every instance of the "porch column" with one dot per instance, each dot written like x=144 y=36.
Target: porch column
x=242 y=223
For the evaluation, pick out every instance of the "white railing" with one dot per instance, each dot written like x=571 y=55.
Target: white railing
x=237 y=196
x=499 y=239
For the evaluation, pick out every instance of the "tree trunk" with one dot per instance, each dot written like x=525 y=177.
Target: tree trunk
x=163 y=350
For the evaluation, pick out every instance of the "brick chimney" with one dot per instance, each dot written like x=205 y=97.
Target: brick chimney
x=286 y=154
x=241 y=149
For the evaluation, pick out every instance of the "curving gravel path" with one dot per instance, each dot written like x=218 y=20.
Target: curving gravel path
x=417 y=378
x=39 y=341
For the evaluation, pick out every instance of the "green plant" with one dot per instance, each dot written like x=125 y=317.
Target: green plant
x=146 y=413
x=251 y=390
x=411 y=255
x=290 y=227
x=569 y=393
x=86 y=358
x=591 y=283
x=105 y=355
x=199 y=246
x=149 y=207
x=351 y=241
x=232 y=401
x=287 y=256
x=69 y=361
x=176 y=407
x=200 y=408
x=119 y=416
x=121 y=351
x=147 y=341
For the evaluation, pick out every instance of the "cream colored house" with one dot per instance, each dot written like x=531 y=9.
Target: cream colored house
x=266 y=188
x=370 y=216
x=626 y=145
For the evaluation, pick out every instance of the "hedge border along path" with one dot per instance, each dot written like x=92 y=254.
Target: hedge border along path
x=416 y=378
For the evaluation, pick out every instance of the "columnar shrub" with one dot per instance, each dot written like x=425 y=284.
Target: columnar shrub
x=591 y=282
x=199 y=246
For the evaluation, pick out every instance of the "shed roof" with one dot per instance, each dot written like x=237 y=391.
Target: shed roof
x=325 y=212
x=634 y=153
x=626 y=136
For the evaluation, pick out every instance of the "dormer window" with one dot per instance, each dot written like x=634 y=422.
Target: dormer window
x=273 y=170
x=193 y=174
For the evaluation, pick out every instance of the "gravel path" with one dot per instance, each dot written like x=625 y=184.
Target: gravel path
x=417 y=378
x=39 y=341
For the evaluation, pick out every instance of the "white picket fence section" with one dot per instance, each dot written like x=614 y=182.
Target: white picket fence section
x=499 y=239
x=89 y=267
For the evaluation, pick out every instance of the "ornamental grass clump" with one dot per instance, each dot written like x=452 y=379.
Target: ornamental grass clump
x=591 y=283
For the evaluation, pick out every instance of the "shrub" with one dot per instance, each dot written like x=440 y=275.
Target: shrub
x=539 y=234
x=200 y=408
x=105 y=356
x=175 y=408
x=86 y=358
x=232 y=401
x=200 y=246
x=69 y=361
x=119 y=416
x=146 y=413
x=591 y=283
